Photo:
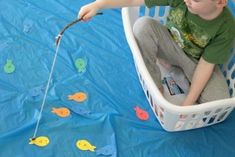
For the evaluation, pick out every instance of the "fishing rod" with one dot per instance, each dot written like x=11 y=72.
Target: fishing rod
x=57 y=44
x=59 y=36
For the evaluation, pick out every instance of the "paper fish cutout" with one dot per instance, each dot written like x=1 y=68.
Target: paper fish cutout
x=5 y=44
x=9 y=67
x=79 y=110
x=27 y=24
x=80 y=64
x=85 y=145
x=79 y=97
x=106 y=150
x=40 y=141
x=141 y=114
x=62 y=111
x=36 y=92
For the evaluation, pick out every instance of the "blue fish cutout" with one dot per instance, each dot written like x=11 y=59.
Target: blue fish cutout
x=5 y=44
x=107 y=151
x=79 y=110
x=110 y=149
x=36 y=92
x=27 y=25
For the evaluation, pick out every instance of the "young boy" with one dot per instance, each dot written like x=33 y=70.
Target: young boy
x=198 y=36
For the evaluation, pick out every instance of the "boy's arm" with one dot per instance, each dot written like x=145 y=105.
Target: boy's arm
x=90 y=10
x=200 y=78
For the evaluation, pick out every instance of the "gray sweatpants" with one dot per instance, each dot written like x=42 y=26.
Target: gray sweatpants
x=155 y=41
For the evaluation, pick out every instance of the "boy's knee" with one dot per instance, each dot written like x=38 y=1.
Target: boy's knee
x=214 y=95
x=142 y=25
x=216 y=88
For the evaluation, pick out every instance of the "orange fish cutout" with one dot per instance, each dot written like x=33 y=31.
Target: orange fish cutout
x=141 y=114
x=79 y=97
x=62 y=111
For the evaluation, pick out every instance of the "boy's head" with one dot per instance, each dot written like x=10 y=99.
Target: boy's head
x=206 y=9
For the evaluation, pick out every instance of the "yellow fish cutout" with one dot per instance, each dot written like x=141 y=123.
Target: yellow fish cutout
x=40 y=141
x=85 y=145
x=62 y=111
x=79 y=97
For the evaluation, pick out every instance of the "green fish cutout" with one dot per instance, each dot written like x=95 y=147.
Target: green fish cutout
x=80 y=64
x=9 y=66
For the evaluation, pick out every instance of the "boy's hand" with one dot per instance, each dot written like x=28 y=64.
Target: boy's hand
x=88 y=11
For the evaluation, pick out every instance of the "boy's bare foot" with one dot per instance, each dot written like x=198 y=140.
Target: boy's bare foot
x=161 y=89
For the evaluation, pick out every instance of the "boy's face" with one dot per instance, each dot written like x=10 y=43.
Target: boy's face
x=201 y=7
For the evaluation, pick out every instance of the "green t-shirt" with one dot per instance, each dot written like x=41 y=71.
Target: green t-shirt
x=198 y=37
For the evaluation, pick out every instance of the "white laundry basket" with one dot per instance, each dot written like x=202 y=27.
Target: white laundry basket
x=170 y=116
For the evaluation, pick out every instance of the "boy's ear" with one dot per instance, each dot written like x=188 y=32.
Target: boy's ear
x=221 y=3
